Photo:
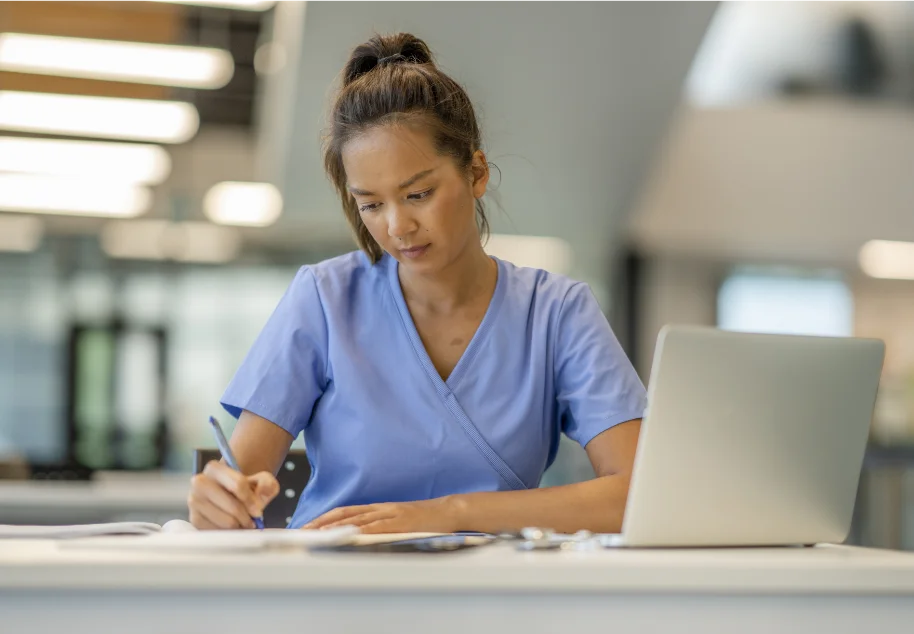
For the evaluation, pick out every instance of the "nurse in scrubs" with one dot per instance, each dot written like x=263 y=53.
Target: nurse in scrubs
x=430 y=380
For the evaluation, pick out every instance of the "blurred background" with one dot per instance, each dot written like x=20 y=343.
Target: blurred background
x=744 y=165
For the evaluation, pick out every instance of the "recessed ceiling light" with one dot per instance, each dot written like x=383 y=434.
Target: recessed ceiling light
x=102 y=117
x=244 y=204
x=888 y=259
x=243 y=5
x=539 y=252
x=117 y=162
x=71 y=196
x=164 y=240
x=20 y=233
x=162 y=64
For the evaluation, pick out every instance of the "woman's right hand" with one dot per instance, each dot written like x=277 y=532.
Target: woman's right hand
x=222 y=498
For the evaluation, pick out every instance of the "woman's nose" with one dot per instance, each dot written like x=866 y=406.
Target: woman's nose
x=399 y=222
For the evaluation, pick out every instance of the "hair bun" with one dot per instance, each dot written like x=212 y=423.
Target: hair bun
x=385 y=50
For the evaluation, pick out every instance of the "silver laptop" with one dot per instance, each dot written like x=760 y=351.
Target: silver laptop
x=750 y=439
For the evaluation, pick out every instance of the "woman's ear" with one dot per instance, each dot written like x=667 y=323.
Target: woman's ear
x=479 y=168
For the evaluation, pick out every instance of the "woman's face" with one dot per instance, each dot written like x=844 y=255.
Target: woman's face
x=418 y=206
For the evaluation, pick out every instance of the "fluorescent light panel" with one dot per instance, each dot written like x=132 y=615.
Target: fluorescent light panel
x=164 y=240
x=20 y=233
x=102 y=117
x=888 y=259
x=243 y=5
x=71 y=196
x=166 y=65
x=118 y=162
x=539 y=252
x=243 y=204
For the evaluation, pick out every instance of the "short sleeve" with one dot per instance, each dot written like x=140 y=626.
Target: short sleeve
x=284 y=372
x=596 y=385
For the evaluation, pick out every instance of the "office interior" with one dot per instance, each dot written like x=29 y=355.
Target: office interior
x=740 y=165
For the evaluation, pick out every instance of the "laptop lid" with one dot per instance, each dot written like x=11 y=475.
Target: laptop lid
x=751 y=439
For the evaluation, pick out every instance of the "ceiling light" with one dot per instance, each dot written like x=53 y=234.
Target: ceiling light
x=244 y=5
x=204 y=242
x=269 y=59
x=164 y=240
x=139 y=239
x=104 y=117
x=72 y=196
x=539 y=252
x=887 y=259
x=119 y=162
x=166 y=65
x=20 y=233
x=246 y=204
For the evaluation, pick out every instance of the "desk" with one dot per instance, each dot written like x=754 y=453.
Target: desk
x=828 y=589
x=108 y=498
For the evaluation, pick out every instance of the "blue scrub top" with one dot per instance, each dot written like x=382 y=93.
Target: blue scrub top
x=340 y=360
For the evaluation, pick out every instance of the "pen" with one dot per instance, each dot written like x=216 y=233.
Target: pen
x=229 y=457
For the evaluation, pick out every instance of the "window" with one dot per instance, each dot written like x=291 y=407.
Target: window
x=785 y=302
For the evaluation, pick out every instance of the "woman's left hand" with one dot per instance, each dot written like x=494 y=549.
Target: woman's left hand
x=435 y=516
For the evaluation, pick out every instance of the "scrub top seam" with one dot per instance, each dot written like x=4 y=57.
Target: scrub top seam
x=412 y=333
x=485 y=326
x=320 y=301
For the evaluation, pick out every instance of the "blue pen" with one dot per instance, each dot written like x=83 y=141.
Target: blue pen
x=229 y=457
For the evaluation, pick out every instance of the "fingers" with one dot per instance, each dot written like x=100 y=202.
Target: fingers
x=359 y=520
x=201 y=522
x=338 y=514
x=265 y=486
x=228 y=504
x=209 y=500
x=237 y=484
x=208 y=516
x=389 y=525
x=220 y=497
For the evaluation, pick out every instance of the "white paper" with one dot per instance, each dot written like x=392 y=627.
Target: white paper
x=11 y=531
x=180 y=539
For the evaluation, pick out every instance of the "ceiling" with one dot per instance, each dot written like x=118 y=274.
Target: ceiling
x=574 y=99
x=753 y=172
x=822 y=178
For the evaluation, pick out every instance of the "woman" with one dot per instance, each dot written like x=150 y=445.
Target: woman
x=432 y=381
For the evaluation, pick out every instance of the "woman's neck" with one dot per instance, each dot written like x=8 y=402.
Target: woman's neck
x=462 y=282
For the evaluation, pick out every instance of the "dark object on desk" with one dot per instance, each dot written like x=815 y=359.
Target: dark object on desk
x=62 y=471
x=293 y=476
x=438 y=544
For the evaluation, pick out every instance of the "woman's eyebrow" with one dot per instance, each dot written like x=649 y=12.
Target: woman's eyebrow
x=412 y=179
x=409 y=181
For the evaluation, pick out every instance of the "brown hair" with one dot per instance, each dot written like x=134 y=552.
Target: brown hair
x=393 y=79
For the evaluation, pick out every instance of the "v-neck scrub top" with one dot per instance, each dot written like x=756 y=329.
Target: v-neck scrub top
x=341 y=360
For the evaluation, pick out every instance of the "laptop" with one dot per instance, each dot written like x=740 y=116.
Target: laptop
x=751 y=439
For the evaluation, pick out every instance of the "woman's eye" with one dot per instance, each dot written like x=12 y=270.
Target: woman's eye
x=368 y=207
x=420 y=195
